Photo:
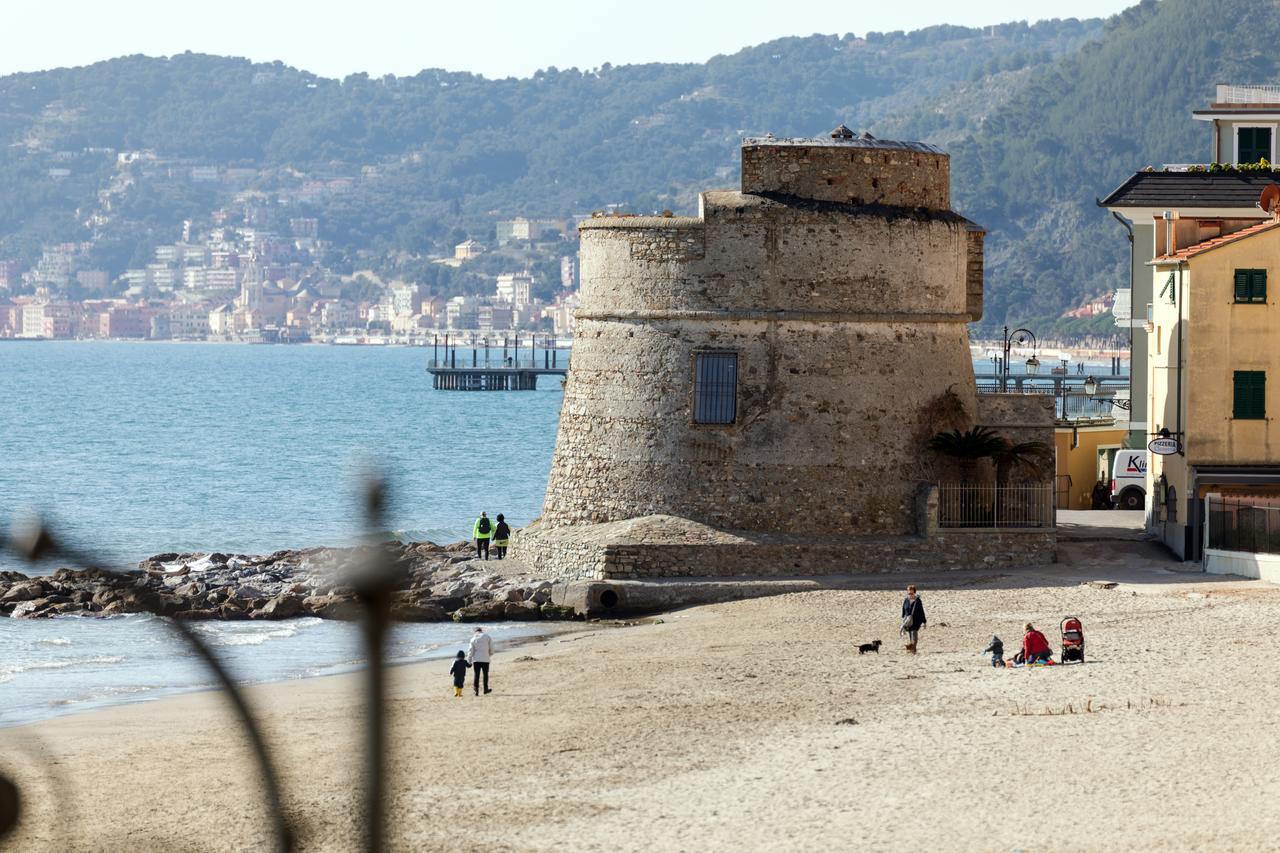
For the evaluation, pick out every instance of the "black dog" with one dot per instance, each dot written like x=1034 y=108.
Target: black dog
x=873 y=646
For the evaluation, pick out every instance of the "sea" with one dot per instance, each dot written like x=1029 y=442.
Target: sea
x=133 y=449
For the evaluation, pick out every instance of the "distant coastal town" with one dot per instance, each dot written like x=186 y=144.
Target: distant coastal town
x=248 y=273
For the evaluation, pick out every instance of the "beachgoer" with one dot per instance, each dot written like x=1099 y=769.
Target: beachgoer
x=480 y=651
x=459 y=673
x=912 y=618
x=1101 y=495
x=501 y=534
x=1035 y=648
x=997 y=651
x=481 y=532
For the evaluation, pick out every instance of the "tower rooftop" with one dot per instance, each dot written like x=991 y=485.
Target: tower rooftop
x=865 y=141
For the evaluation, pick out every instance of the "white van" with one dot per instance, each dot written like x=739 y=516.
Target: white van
x=1129 y=480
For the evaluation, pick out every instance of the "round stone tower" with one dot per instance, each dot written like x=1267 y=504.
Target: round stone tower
x=763 y=368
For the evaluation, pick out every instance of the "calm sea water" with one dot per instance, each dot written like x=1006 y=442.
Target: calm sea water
x=134 y=449
x=140 y=448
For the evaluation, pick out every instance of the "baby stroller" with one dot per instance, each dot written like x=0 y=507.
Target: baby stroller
x=1072 y=640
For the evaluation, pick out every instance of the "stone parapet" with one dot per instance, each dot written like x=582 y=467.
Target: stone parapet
x=853 y=172
x=666 y=547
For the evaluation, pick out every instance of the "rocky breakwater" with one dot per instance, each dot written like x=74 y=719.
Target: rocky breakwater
x=432 y=583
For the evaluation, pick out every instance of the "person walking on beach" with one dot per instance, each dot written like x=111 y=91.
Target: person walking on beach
x=481 y=532
x=479 y=653
x=459 y=673
x=912 y=618
x=501 y=535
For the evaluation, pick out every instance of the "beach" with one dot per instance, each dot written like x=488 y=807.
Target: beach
x=749 y=725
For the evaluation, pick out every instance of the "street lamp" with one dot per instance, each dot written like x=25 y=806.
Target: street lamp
x=1020 y=337
x=1090 y=387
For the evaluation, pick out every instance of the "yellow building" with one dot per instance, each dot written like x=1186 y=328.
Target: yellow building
x=1083 y=454
x=1214 y=369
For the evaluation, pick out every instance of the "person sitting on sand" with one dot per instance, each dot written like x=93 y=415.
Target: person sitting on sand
x=459 y=673
x=912 y=618
x=1035 y=648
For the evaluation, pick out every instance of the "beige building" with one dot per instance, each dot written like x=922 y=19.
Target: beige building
x=1214 y=370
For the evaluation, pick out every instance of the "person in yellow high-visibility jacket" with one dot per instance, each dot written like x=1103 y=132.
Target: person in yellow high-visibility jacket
x=482 y=532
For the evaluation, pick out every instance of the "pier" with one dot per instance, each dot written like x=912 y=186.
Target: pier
x=488 y=366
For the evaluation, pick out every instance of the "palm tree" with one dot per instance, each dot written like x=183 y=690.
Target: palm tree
x=968 y=446
x=1030 y=457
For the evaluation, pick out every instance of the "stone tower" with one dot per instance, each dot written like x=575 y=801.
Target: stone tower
x=761 y=370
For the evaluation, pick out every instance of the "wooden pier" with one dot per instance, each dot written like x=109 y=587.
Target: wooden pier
x=508 y=367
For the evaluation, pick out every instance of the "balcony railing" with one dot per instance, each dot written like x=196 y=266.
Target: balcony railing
x=1259 y=94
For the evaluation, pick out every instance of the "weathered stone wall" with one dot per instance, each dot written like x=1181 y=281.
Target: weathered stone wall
x=605 y=552
x=845 y=320
x=1018 y=417
x=853 y=172
x=822 y=438
x=974 y=273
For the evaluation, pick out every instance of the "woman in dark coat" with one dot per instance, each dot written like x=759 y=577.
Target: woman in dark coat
x=912 y=618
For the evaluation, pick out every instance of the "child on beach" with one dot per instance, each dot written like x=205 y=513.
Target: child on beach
x=459 y=673
x=997 y=651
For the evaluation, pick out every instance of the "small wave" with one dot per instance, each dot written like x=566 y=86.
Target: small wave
x=54 y=641
x=14 y=669
x=228 y=636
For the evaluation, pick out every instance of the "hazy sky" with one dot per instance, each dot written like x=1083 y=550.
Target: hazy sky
x=496 y=38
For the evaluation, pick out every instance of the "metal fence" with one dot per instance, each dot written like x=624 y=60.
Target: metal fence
x=1243 y=524
x=984 y=506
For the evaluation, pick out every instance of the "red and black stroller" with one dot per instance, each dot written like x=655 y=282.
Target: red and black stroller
x=1072 y=640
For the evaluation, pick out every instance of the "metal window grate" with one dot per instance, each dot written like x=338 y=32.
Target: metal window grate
x=715 y=387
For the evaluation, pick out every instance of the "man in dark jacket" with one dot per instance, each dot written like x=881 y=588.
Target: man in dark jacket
x=912 y=618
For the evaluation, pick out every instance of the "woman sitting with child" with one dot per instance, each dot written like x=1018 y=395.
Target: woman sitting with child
x=1035 y=648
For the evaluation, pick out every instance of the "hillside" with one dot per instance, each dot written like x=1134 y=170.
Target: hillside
x=420 y=160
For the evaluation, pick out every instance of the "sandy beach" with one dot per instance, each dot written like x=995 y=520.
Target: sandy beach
x=752 y=725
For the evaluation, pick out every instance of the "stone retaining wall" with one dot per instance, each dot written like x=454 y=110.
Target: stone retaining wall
x=601 y=552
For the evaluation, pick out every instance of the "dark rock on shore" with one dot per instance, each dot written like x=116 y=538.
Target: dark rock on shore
x=431 y=583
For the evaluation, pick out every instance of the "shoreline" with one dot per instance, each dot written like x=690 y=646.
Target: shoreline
x=739 y=725
x=546 y=632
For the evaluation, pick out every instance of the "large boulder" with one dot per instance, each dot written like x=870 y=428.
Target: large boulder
x=521 y=610
x=411 y=612
x=557 y=611
x=283 y=606
x=26 y=591
x=481 y=611
x=30 y=608
x=333 y=607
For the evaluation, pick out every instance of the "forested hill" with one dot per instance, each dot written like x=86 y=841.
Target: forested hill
x=1040 y=119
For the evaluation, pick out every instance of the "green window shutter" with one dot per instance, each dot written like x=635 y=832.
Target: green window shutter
x=1251 y=285
x=1242 y=285
x=1249 y=394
